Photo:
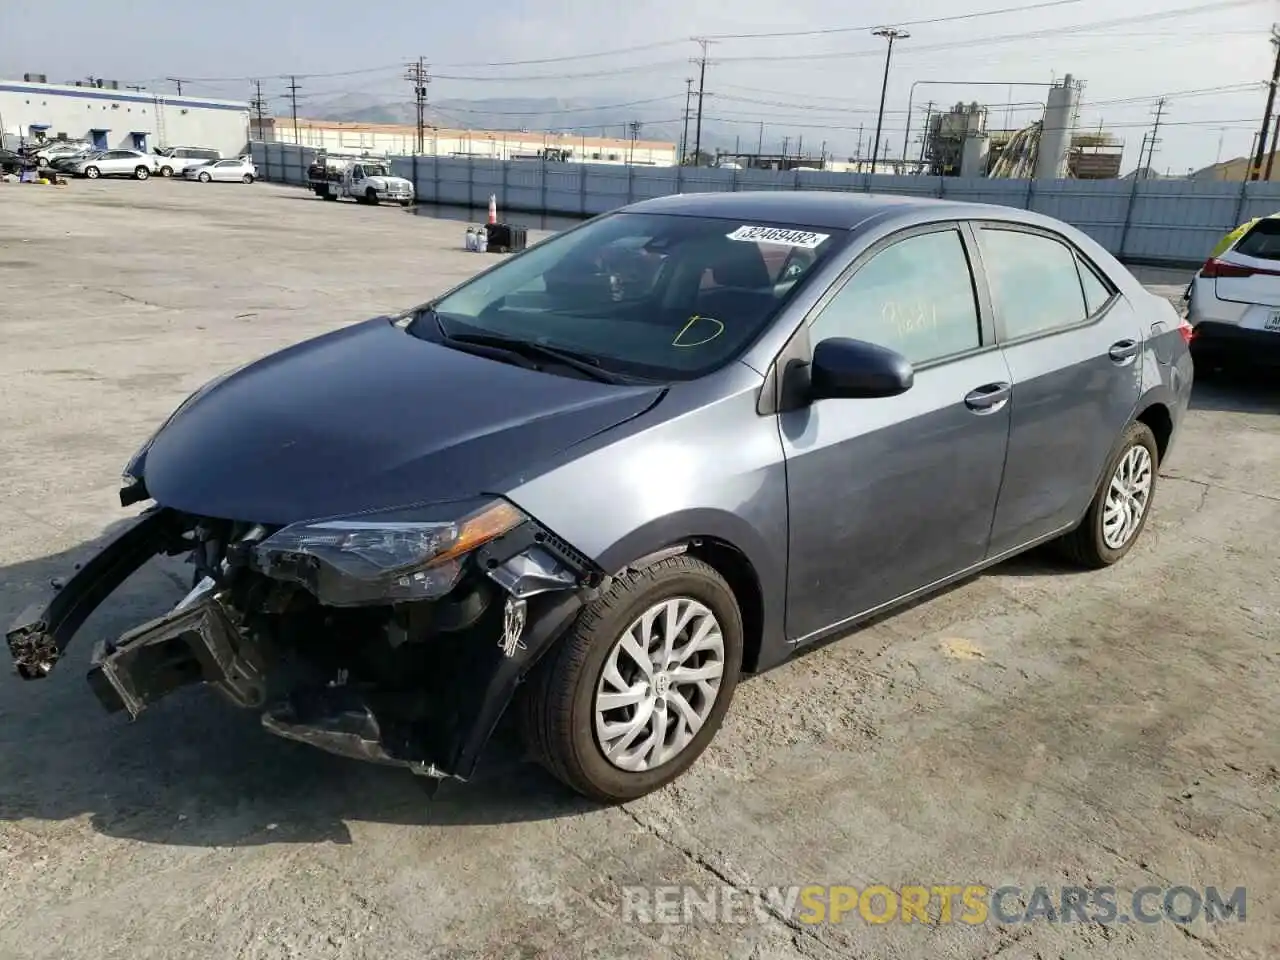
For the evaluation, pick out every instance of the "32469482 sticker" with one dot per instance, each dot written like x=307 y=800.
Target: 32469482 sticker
x=779 y=235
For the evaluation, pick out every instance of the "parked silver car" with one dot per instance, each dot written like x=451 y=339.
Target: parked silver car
x=117 y=163
x=239 y=170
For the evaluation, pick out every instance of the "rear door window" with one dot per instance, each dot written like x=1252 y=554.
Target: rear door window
x=1262 y=241
x=1035 y=285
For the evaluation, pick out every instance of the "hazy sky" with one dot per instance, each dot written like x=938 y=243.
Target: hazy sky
x=818 y=86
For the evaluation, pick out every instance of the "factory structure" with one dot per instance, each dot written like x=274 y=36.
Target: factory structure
x=390 y=139
x=961 y=142
x=101 y=113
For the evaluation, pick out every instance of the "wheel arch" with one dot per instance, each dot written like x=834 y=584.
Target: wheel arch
x=1159 y=419
x=738 y=553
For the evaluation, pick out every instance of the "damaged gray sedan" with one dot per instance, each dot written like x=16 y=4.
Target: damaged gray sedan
x=599 y=481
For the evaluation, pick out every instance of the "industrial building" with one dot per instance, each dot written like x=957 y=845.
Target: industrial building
x=959 y=142
x=388 y=139
x=102 y=113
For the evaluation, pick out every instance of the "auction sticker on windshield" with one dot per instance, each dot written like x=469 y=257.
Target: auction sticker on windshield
x=780 y=235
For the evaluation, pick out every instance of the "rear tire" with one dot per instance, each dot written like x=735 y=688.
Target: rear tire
x=329 y=196
x=1109 y=529
x=247 y=178
x=141 y=173
x=563 y=720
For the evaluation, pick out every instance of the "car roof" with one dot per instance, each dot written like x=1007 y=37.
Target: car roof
x=831 y=209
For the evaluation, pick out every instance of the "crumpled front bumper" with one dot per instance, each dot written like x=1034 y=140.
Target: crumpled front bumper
x=440 y=733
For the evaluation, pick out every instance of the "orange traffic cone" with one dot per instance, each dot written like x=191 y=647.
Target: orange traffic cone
x=493 y=208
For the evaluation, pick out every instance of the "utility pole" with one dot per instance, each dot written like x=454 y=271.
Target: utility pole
x=858 y=152
x=1155 y=134
x=924 y=137
x=293 y=100
x=417 y=75
x=760 y=142
x=634 y=129
x=178 y=81
x=786 y=142
x=684 y=137
x=1256 y=167
x=891 y=34
x=1275 y=129
x=260 y=107
x=702 y=88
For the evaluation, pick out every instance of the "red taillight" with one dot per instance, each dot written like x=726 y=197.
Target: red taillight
x=1187 y=330
x=1213 y=269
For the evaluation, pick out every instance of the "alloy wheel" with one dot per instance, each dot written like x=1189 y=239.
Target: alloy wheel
x=659 y=684
x=1128 y=496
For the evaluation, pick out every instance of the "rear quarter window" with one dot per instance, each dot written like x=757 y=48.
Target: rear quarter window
x=1261 y=242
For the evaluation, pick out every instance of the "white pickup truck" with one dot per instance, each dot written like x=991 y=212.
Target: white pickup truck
x=363 y=180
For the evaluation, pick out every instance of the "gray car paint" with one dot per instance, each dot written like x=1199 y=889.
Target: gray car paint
x=875 y=480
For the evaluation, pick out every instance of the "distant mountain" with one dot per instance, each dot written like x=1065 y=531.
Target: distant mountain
x=577 y=115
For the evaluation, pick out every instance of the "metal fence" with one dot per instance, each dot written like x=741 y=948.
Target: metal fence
x=1144 y=221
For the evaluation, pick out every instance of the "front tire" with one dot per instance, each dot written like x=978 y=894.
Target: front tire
x=166 y=171
x=205 y=178
x=371 y=197
x=634 y=692
x=92 y=173
x=1118 y=514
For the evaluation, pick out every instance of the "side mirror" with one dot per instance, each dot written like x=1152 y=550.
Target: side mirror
x=852 y=369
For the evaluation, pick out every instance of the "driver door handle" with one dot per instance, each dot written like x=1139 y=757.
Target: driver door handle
x=1122 y=351
x=988 y=398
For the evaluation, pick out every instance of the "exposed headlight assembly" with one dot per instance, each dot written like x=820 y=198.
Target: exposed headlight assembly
x=388 y=557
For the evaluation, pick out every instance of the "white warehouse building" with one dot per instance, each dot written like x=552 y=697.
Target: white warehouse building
x=111 y=118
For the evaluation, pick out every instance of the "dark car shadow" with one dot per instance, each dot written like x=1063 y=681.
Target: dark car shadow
x=194 y=770
x=1237 y=391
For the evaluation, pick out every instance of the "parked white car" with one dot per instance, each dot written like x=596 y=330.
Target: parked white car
x=175 y=161
x=1234 y=302
x=240 y=169
x=59 y=149
x=117 y=163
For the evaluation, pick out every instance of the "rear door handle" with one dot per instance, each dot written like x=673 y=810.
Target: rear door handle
x=988 y=398
x=1123 y=351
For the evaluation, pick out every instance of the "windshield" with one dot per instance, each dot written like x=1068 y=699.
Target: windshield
x=662 y=296
x=375 y=170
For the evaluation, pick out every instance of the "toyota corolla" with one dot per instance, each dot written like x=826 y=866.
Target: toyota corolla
x=604 y=479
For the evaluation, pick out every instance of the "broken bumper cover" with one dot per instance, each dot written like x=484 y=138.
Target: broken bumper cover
x=41 y=634
x=538 y=583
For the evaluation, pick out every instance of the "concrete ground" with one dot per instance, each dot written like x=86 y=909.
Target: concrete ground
x=1032 y=727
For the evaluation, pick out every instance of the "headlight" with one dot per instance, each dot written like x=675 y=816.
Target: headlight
x=388 y=557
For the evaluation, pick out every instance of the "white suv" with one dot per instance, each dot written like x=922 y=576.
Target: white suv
x=116 y=163
x=175 y=160
x=1234 y=301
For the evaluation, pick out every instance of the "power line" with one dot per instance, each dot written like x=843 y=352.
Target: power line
x=1004 y=38
x=952 y=18
x=539 y=113
x=177 y=81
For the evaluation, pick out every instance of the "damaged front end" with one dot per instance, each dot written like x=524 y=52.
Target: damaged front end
x=396 y=637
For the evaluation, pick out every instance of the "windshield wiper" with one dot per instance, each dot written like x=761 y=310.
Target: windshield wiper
x=582 y=362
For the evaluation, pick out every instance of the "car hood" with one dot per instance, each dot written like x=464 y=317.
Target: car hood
x=384 y=182
x=366 y=418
